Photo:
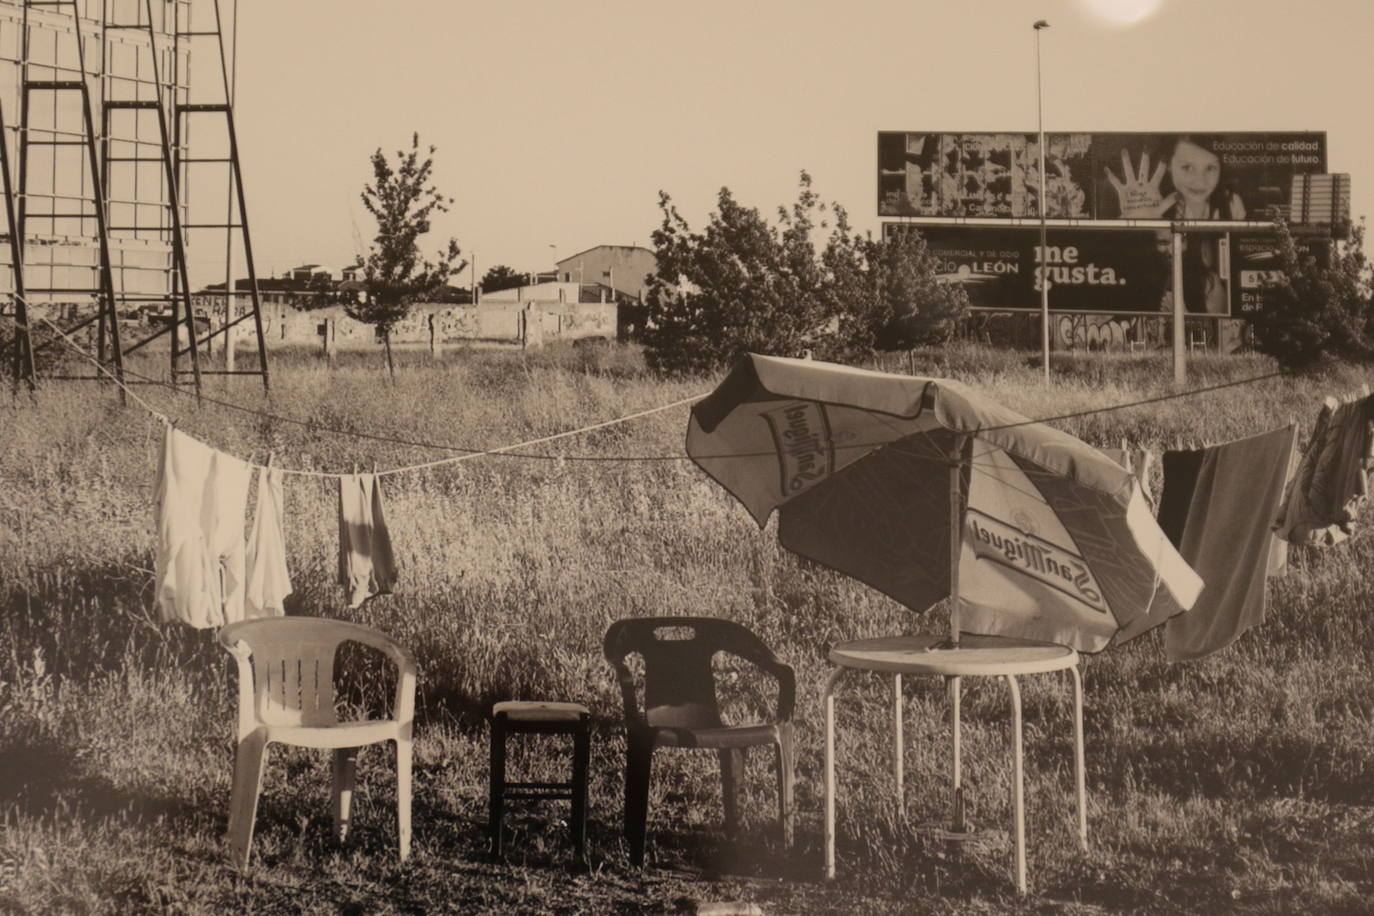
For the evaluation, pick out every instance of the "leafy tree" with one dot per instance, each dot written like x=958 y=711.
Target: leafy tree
x=1317 y=311
x=501 y=277
x=887 y=292
x=744 y=285
x=740 y=286
x=402 y=200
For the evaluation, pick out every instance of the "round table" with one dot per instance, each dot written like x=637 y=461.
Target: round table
x=973 y=656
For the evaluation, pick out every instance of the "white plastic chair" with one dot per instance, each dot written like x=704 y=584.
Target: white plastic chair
x=286 y=694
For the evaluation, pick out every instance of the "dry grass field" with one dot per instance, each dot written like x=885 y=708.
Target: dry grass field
x=1242 y=783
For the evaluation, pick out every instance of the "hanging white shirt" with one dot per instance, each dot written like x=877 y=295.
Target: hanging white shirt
x=268 y=580
x=199 y=559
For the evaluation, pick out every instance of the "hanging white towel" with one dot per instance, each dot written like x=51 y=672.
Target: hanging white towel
x=181 y=560
x=198 y=562
x=268 y=580
x=366 y=564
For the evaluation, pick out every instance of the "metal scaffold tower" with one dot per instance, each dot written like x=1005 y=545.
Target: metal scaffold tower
x=121 y=177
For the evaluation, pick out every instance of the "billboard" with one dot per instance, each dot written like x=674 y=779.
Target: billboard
x=1089 y=270
x=1255 y=266
x=1096 y=176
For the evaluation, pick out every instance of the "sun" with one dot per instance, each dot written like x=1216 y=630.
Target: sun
x=1119 y=12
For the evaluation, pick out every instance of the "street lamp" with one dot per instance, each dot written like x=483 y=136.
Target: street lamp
x=1044 y=205
x=554 y=249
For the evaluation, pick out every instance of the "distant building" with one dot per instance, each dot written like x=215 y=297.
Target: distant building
x=307 y=272
x=621 y=269
x=306 y=287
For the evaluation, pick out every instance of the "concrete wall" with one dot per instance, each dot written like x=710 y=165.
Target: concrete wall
x=539 y=292
x=501 y=323
x=1146 y=332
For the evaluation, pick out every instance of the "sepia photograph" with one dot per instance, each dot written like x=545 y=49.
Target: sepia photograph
x=734 y=459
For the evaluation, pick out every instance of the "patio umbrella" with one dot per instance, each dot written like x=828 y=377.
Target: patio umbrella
x=924 y=489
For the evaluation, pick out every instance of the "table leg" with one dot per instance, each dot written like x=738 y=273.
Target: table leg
x=959 y=821
x=1080 y=777
x=828 y=701
x=1018 y=793
x=898 y=764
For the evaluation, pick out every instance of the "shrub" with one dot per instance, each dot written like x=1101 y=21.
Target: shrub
x=1320 y=309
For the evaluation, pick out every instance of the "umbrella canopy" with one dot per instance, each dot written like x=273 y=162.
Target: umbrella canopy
x=1056 y=540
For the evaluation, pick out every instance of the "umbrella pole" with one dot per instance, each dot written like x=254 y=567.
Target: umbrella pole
x=956 y=528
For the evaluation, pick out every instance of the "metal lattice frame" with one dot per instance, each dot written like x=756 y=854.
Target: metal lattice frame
x=109 y=189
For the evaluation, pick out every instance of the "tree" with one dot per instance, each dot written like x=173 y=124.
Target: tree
x=745 y=286
x=888 y=294
x=501 y=277
x=741 y=286
x=402 y=200
x=1319 y=308
x=915 y=306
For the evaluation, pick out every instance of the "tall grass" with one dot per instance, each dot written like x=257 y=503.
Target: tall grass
x=1242 y=781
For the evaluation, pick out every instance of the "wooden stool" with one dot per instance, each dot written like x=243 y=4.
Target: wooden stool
x=528 y=717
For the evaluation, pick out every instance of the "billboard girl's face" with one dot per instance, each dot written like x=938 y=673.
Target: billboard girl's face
x=1195 y=173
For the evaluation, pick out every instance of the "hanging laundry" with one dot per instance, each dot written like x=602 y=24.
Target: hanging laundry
x=1181 y=469
x=199 y=561
x=268 y=580
x=1139 y=461
x=1218 y=506
x=1332 y=482
x=226 y=501
x=366 y=564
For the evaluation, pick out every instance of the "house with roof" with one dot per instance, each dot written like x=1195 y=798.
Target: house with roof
x=619 y=272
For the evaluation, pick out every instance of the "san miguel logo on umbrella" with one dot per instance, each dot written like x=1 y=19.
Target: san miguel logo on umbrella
x=1009 y=546
x=806 y=449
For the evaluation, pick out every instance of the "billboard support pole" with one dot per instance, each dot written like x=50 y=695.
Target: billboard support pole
x=1043 y=207
x=1176 y=256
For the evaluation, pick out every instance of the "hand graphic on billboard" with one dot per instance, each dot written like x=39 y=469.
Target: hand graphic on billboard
x=1138 y=196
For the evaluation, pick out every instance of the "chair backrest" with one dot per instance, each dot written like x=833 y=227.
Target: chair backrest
x=286 y=667
x=679 y=683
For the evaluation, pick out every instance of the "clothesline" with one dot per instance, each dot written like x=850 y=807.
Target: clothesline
x=513 y=450
x=206 y=575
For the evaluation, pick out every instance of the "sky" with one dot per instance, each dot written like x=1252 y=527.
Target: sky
x=557 y=124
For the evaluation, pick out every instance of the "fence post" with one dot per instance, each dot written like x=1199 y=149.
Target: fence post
x=329 y=331
x=436 y=344
x=532 y=326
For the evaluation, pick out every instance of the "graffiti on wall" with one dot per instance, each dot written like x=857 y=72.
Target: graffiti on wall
x=1102 y=332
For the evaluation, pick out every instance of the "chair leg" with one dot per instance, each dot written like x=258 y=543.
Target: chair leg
x=345 y=774
x=250 y=760
x=405 y=753
x=786 y=783
x=639 y=760
x=731 y=775
x=582 y=747
x=496 y=785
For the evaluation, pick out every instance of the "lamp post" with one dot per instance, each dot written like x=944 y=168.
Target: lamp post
x=554 y=249
x=1044 y=205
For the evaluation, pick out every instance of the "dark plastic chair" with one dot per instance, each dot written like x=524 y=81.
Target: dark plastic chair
x=681 y=710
